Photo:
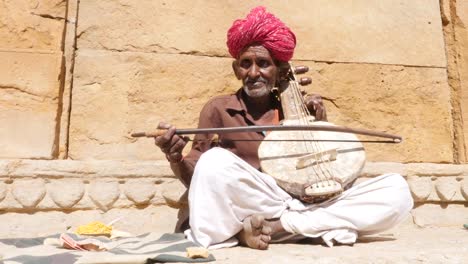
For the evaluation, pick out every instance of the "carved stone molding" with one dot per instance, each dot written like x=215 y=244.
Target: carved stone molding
x=35 y=185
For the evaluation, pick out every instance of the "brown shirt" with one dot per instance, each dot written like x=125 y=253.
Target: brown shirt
x=229 y=111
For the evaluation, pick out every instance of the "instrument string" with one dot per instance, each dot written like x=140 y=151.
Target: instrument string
x=311 y=147
x=298 y=104
x=323 y=160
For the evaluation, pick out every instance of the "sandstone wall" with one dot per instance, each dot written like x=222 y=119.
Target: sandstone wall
x=78 y=89
x=381 y=66
x=77 y=77
x=31 y=35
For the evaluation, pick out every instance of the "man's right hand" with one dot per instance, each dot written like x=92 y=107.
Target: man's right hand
x=170 y=143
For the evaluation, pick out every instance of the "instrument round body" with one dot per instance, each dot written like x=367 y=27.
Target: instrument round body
x=312 y=170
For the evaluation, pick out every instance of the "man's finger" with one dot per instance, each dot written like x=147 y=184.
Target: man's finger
x=165 y=141
x=178 y=145
x=163 y=125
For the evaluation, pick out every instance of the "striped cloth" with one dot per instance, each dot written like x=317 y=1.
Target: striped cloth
x=146 y=248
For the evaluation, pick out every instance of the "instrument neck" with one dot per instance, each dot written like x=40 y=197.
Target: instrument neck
x=292 y=102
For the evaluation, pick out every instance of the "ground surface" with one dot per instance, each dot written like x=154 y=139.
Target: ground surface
x=402 y=245
x=406 y=243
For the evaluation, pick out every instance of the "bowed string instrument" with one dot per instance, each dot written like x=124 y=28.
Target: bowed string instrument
x=311 y=160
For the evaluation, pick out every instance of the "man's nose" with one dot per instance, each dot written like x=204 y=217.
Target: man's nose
x=254 y=71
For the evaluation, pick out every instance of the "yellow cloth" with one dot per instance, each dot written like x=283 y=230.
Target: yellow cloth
x=94 y=228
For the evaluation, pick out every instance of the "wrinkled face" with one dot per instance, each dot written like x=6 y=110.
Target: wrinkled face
x=257 y=70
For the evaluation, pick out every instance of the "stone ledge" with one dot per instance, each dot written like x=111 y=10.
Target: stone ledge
x=69 y=185
x=41 y=185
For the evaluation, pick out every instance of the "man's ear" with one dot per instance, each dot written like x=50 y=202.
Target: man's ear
x=283 y=69
x=235 y=68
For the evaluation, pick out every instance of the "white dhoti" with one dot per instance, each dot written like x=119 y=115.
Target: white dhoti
x=225 y=190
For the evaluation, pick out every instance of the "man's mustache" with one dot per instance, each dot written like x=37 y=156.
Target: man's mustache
x=254 y=80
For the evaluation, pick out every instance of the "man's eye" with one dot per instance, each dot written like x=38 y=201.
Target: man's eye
x=245 y=64
x=263 y=63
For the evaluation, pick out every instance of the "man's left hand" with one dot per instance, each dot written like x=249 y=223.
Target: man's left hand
x=315 y=105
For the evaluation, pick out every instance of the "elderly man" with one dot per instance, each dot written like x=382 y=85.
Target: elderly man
x=231 y=201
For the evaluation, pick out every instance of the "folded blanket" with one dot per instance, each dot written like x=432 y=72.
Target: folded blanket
x=146 y=248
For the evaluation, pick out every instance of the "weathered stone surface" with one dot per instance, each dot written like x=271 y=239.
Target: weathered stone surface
x=399 y=245
x=421 y=188
x=136 y=221
x=428 y=215
x=143 y=89
x=29 y=90
x=447 y=188
x=3 y=191
x=86 y=203
x=137 y=99
x=46 y=204
x=145 y=183
x=408 y=33
x=461 y=35
x=175 y=194
x=28 y=192
x=88 y=169
x=104 y=193
x=453 y=39
x=140 y=191
x=464 y=188
x=66 y=193
x=395 y=99
x=69 y=55
x=437 y=170
x=372 y=169
x=32 y=25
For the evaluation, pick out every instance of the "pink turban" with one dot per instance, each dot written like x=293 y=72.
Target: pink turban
x=261 y=27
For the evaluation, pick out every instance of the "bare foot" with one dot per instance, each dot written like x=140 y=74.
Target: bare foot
x=256 y=233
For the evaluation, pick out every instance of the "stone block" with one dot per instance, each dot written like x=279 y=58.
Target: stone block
x=134 y=86
x=407 y=33
x=9 y=202
x=421 y=188
x=136 y=221
x=461 y=36
x=66 y=193
x=393 y=99
x=28 y=193
x=447 y=188
x=46 y=204
x=372 y=169
x=116 y=94
x=428 y=215
x=32 y=25
x=104 y=193
x=140 y=191
x=437 y=170
x=86 y=203
x=29 y=90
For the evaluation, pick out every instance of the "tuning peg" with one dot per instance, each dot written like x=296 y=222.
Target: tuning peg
x=305 y=81
x=301 y=69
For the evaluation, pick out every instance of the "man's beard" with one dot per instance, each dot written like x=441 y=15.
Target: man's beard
x=257 y=92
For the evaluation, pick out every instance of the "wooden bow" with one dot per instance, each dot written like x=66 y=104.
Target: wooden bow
x=223 y=130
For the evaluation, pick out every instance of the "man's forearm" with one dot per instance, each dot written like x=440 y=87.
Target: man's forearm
x=183 y=171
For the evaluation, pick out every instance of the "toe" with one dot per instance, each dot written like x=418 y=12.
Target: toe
x=265 y=239
x=257 y=221
x=266 y=230
x=262 y=245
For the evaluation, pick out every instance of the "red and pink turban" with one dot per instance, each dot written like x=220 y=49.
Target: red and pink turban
x=261 y=27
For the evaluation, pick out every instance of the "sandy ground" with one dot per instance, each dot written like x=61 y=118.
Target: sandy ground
x=402 y=245
x=406 y=243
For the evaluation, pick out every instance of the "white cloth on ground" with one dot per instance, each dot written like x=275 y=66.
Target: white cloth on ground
x=225 y=190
